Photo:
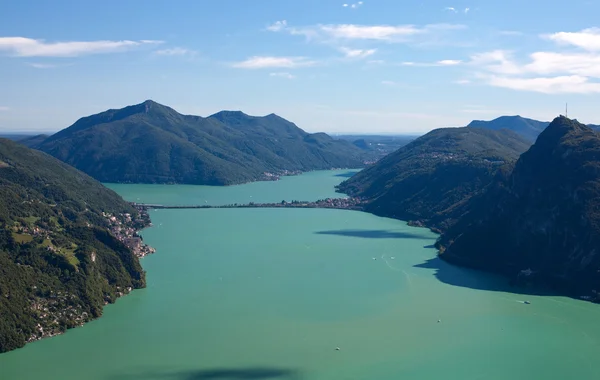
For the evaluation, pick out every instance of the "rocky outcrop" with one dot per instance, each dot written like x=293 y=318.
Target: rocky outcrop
x=542 y=220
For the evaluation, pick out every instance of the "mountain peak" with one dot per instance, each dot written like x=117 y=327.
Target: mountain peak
x=527 y=128
x=230 y=114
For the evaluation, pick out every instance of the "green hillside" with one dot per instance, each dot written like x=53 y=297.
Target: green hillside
x=152 y=143
x=544 y=216
x=429 y=180
x=59 y=265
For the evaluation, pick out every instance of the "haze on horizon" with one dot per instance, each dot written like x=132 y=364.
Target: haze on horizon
x=368 y=67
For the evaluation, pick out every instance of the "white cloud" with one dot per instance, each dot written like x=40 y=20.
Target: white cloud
x=261 y=62
x=545 y=72
x=176 y=51
x=364 y=32
x=497 y=61
x=588 y=39
x=277 y=26
x=463 y=81
x=548 y=85
x=357 y=53
x=444 y=62
x=27 y=47
x=557 y=63
x=449 y=62
x=355 y=32
x=353 y=6
x=451 y=9
x=467 y=10
x=283 y=75
x=541 y=63
x=388 y=83
x=46 y=65
x=4 y=108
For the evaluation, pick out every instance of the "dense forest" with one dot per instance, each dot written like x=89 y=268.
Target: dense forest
x=59 y=263
x=540 y=221
x=152 y=143
x=430 y=180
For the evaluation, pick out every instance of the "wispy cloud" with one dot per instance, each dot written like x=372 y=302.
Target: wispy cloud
x=357 y=53
x=277 y=26
x=4 y=109
x=550 y=72
x=27 y=47
x=513 y=33
x=449 y=62
x=588 y=39
x=548 y=85
x=353 y=6
x=38 y=65
x=444 y=62
x=282 y=75
x=262 y=62
x=454 y=10
x=176 y=51
x=355 y=32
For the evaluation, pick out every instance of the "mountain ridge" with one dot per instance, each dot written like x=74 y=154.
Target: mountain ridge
x=528 y=128
x=428 y=181
x=153 y=143
x=542 y=218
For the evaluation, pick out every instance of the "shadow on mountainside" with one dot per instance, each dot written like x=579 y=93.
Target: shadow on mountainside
x=373 y=234
x=475 y=279
x=255 y=373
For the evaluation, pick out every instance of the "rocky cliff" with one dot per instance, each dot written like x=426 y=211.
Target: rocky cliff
x=542 y=220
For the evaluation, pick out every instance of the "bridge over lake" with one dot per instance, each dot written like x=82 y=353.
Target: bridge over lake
x=335 y=203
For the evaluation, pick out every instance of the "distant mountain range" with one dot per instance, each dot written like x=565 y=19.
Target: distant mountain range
x=152 y=143
x=528 y=128
x=540 y=221
x=428 y=180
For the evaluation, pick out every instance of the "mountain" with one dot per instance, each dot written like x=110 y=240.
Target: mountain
x=59 y=264
x=543 y=216
x=152 y=143
x=376 y=147
x=33 y=141
x=429 y=180
x=528 y=128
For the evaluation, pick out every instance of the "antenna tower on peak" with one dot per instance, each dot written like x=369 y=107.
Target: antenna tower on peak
x=567 y=110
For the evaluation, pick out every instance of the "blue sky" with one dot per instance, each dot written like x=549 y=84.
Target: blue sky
x=376 y=66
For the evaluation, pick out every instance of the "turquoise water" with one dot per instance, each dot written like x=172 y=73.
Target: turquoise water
x=309 y=186
x=270 y=293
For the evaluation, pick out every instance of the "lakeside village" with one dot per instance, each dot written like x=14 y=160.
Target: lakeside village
x=57 y=311
x=126 y=227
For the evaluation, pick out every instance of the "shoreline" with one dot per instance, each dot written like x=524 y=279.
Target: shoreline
x=125 y=228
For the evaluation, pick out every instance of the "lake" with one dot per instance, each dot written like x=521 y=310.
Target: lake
x=271 y=293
